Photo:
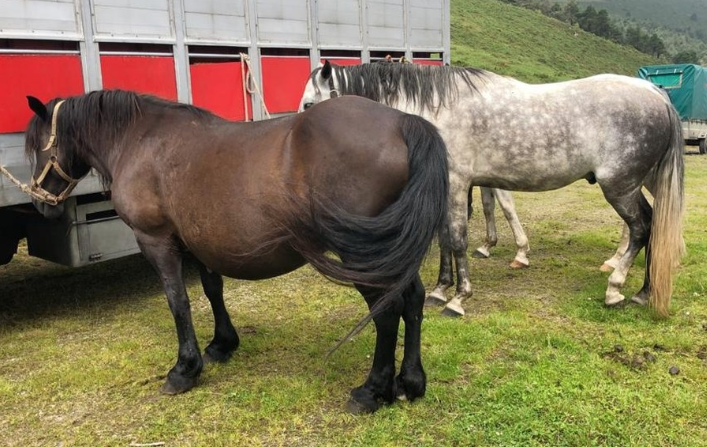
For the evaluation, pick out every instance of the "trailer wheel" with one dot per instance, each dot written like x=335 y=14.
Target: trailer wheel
x=703 y=146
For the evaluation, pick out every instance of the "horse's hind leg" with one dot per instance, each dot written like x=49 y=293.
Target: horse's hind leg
x=459 y=244
x=635 y=210
x=225 y=339
x=488 y=203
x=445 y=279
x=505 y=199
x=167 y=261
x=380 y=384
x=411 y=382
x=611 y=264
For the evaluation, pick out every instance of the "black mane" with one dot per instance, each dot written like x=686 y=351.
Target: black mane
x=429 y=87
x=97 y=118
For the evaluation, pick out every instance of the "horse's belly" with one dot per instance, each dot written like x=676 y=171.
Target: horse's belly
x=252 y=265
x=528 y=184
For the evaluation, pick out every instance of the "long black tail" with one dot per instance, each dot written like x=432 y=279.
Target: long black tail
x=386 y=251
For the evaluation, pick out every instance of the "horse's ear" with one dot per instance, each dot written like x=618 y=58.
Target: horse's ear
x=326 y=70
x=38 y=107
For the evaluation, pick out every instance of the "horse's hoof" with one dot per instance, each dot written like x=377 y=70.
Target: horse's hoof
x=435 y=300
x=451 y=310
x=479 y=255
x=639 y=300
x=170 y=388
x=516 y=264
x=409 y=389
x=354 y=407
x=362 y=401
x=606 y=267
x=215 y=356
x=617 y=300
x=207 y=358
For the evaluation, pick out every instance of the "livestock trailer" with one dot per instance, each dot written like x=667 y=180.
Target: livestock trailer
x=686 y=85
x=241 y=59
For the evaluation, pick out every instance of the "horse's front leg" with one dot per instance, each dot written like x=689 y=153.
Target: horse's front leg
x=379 y=387
x=412 y=381
x=445 y=279
x=488 y=203
x=166 y=258
x=505 y=200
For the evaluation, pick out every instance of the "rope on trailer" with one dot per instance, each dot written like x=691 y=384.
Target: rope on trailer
x=250 y=85
x=243 y=84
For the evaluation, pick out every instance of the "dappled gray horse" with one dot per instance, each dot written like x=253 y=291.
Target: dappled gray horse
x=616 y=131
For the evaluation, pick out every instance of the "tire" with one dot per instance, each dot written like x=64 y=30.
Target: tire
x=703 y=146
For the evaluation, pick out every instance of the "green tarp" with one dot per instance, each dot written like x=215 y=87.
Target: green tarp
x=686 y=85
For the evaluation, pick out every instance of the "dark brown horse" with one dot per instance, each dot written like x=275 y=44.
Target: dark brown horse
x=257 y=200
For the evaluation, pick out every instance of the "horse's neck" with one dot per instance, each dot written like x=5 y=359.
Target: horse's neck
x=103 y=155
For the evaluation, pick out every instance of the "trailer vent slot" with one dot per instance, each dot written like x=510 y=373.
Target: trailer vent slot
x=101 y=215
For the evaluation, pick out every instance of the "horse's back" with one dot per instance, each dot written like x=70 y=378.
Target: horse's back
x=353 y=152
x=544 y=136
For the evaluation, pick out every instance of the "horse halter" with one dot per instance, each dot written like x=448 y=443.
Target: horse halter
x=333 y=92
x=38 y=191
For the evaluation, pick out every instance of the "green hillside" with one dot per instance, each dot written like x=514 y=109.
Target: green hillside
x=681 y=24
x=689 y=16
x=518 y=42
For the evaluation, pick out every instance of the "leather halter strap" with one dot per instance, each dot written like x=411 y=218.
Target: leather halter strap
x=38 y=191
x=333 y=92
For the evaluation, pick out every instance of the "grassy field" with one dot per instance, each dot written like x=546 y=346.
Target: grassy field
x=537 y=360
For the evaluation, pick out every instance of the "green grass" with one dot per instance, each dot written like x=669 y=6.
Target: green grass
x=526 y=45
x=533 y=363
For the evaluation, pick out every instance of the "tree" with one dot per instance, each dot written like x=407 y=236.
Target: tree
x=556 y=12
x=571 y=12
x=686 y=57
x=656 y=45
x=587 y=19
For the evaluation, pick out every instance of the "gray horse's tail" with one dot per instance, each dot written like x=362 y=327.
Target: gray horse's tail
x=666 y=244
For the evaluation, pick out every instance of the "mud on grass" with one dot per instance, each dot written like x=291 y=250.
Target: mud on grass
x=534 y=362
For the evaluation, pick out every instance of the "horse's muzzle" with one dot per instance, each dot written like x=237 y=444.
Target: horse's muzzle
x=47 y=210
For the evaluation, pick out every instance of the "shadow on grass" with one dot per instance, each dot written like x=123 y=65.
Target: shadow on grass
x=32 y=289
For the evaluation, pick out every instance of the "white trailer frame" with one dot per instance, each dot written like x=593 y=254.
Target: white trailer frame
x=364 y=30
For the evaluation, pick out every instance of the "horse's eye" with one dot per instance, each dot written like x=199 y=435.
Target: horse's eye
x=308 y=105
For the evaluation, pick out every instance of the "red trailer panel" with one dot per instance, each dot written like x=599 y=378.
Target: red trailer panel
x=342 y=61
x=144 y=74
x=39 y=75
x=427 y=62
x=218 y=87
x=283 y=80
